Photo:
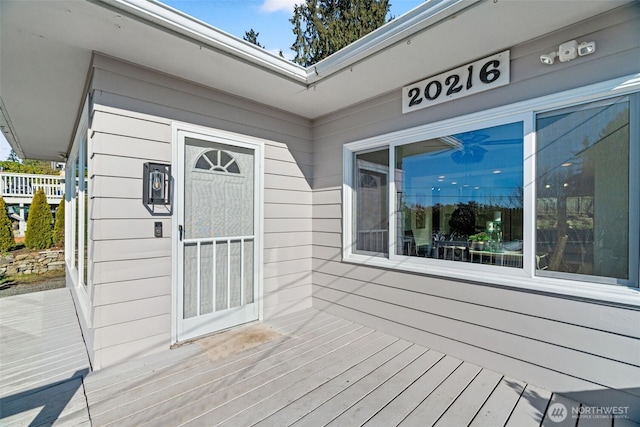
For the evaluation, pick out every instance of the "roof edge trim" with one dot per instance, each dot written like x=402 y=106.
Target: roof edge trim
x=9 y=132
x=416 y=20
x=201 y=32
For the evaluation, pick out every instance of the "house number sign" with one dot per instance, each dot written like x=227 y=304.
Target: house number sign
x=478 y=76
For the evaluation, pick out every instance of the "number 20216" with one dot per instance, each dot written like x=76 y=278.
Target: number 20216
x=488 y=74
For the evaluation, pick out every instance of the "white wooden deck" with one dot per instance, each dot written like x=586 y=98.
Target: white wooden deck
x=318 y=370
x=43 y=360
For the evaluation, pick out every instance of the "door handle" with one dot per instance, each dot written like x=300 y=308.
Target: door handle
x=180 y=232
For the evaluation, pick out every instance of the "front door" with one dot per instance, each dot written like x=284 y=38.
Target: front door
x=217 y=216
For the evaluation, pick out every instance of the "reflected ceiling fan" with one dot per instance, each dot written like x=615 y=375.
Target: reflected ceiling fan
x=468 y=146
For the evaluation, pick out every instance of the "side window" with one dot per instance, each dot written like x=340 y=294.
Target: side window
x=371 y=205
x=582 y=190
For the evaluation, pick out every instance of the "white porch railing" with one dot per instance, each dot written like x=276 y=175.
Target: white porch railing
x=373 y=241
x=17 y=190
x=20 y=188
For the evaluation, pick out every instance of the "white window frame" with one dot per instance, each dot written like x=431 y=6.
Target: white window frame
x=74 y=196
x=524 y=278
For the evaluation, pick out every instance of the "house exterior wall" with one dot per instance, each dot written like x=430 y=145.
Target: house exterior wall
x=132 y=114
x=563 y=344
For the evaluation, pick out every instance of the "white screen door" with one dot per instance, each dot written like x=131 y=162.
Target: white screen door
x=217 y=280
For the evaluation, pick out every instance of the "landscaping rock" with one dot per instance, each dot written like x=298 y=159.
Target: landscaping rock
x=36 y=262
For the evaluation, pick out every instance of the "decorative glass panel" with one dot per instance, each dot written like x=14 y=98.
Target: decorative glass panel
x=217 y=161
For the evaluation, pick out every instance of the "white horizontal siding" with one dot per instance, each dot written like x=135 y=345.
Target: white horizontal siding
x=109 y=121
x=289 y=197
x=115 y=250
x=290 y=253
x=287 y=210
x=511 y=322
x=559 y=343
x=283 y=268
x=128 y=228
x=133 y=112
x=136 y=148
x=123 y=352
x=128 y=87
x=132 y=330
x=129 y=311
x=276 y=240
x=287 y=281
x=131 y=269
x=131 y=290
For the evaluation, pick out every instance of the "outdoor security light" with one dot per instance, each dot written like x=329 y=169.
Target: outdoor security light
x=156 y=184
x=586 y=48
x=568 y=51
x=548 y=58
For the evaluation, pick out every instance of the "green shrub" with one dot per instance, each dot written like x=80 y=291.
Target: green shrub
x=39 y=234
x=7 y=239
x=58 y=227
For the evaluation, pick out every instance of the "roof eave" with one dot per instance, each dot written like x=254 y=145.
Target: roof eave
x=187 y=26
x=396 y=31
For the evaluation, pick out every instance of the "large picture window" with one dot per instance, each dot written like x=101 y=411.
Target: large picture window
x=460 y=196
x=536 y=196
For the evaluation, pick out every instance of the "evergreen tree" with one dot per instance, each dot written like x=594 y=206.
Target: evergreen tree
x=7 y=240
x=252 y=37
x=58 y=228
x=323 y=27
x=13 y=157
x=39 y=232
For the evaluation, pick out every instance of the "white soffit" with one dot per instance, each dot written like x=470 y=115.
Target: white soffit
x=46 y=48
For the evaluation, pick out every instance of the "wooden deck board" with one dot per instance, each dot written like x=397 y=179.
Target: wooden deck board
x=241 y=386
x=398 y=409
x=126 y=377
x=331 y=409
x=163 y=384
x=367 y=407
x=530 y=408
x=623 y=422
x=297 y=409
x=278 y=392
x=321 y=370
x=498 y=407
x=468 y=403
x=599 y=421
x=296 y=402
x=195 y=395
x=432 y=408
x=43 y=360
x=567 y=405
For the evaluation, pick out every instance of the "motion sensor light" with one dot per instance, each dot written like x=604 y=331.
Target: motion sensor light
x=586 y=48
x=549 y=58
x=568 y=51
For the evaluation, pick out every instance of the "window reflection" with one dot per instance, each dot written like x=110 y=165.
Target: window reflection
x=460 y=197
x=582 y=191
x=371 y=203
